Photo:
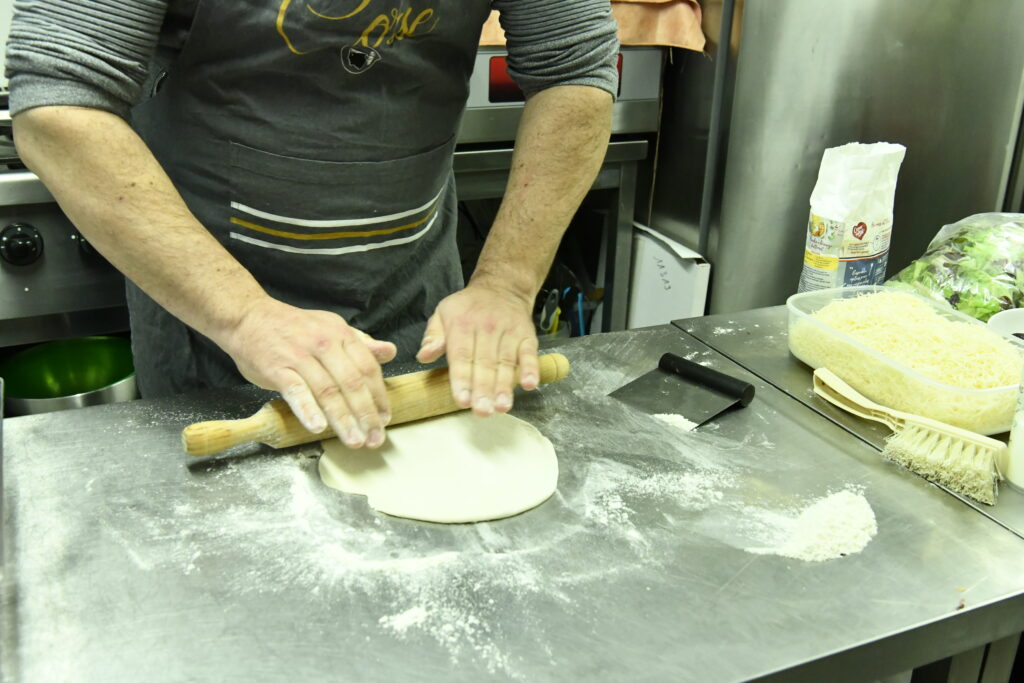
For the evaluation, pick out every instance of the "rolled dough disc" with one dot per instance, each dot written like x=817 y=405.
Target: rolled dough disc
x=450 y=469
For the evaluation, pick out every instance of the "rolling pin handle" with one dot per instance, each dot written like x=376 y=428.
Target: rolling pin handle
x=554 y=367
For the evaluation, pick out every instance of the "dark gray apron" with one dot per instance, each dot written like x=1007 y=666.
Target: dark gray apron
x=314 y=140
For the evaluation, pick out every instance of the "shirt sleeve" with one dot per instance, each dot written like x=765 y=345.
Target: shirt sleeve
x=560 y=42
x=88 y=53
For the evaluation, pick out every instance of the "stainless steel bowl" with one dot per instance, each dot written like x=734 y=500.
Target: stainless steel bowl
x=122 y=390
x=69 y=373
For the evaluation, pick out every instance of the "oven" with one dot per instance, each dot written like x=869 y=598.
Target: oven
x=495 y=103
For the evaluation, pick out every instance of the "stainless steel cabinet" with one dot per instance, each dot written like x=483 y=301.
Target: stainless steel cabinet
x=945 y=78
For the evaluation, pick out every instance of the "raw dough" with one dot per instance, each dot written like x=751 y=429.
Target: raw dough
x=453 y=468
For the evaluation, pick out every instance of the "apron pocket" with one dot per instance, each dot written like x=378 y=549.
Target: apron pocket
x=371 y=241
x=333 y=208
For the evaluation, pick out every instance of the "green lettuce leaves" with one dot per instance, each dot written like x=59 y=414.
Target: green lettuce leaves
x=976 y=265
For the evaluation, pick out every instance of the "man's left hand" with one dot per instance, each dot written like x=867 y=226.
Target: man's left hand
x=488 y=334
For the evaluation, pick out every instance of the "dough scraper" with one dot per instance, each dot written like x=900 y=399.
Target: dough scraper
x=679 y=386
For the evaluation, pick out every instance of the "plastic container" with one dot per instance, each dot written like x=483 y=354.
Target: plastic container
x=1009 y=322
x=887 y=380
x=1015 y=462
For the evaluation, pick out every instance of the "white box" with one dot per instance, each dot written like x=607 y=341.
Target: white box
x=668 y=281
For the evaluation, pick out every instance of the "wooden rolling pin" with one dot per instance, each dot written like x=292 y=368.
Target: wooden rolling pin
x=414 y=396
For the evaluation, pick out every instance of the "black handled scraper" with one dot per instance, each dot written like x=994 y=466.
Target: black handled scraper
x=679 y=386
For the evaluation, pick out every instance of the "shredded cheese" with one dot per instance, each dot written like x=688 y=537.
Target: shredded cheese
x=900 y=351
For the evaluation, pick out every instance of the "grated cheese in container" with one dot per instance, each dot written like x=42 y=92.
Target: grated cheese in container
x=910 y=353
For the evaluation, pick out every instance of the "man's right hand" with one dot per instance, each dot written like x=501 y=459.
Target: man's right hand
x=328 y=371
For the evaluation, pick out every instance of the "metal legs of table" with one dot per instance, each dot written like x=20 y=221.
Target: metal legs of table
x=999 y=659
x=990 y=663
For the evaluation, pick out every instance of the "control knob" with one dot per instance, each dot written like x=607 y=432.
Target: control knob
x=84 y=245
x=20 y=244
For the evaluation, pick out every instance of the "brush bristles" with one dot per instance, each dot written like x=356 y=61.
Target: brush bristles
x=964 y=467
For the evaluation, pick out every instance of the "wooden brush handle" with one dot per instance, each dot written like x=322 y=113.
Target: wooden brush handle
x=830 y=387
x=414 y=396
x=834 y=390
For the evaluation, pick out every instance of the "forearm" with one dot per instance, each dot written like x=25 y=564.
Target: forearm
x=562 y=140
x=115 y=192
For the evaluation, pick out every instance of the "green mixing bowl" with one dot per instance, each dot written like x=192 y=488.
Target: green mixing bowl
x=70 y=373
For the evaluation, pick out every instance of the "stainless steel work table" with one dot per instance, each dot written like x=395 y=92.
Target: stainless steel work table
x=125 y=561
x=757 y=340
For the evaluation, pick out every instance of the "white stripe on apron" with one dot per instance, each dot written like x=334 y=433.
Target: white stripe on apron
x=306 y=223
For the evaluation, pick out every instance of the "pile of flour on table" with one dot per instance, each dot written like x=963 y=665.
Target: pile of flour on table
x=834 y=526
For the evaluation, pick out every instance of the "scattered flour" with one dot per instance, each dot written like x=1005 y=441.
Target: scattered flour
x=607 y=509
x=273 y=519
x=270 y=518
x=400 y=623
x=614 y=491
x=837 y=525
x=677 y=421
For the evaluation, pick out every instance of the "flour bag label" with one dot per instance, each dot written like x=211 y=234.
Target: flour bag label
x=850 y=224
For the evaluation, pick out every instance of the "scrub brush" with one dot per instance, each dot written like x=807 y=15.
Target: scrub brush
x=955 y=458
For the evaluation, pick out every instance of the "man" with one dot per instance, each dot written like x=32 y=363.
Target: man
x=282 y=200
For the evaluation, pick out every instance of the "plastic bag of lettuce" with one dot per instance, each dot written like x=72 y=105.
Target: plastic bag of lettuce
x=976 y=265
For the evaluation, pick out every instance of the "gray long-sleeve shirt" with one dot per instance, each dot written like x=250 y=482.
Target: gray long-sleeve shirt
x=97 y=53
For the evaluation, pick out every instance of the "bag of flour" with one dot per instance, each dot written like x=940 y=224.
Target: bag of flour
x=851 y=216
